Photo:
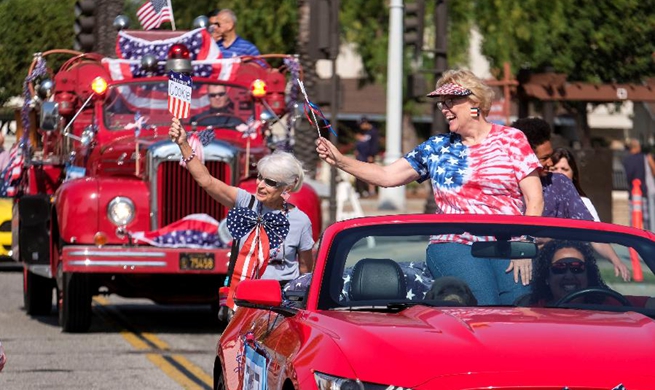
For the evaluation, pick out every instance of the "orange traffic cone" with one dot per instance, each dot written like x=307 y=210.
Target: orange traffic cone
x=637 y=222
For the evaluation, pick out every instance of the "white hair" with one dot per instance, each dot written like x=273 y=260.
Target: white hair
x=284 y=167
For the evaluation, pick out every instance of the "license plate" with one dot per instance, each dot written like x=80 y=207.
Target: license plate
x=197 y=261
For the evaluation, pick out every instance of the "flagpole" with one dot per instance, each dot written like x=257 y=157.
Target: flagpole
x=172 y=16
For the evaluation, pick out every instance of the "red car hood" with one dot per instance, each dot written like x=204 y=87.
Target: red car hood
x=424 y=347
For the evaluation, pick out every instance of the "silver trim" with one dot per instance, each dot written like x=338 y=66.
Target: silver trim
x=111 y=263
x=86 y=253
x=41 y=270
x=163 y=151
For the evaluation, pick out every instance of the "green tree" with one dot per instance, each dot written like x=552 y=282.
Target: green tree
x=593 y=41
x=27 y=27
x=598 y=41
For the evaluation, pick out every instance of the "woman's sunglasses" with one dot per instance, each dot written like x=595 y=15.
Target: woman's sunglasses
x=270 y=182
x=560 y=267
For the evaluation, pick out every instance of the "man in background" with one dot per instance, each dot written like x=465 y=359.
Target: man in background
x=640 y=165
x=230 y=43
x=367 y=145
x=213 y=24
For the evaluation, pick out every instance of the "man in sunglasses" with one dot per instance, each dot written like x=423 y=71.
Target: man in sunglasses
x=221 y=109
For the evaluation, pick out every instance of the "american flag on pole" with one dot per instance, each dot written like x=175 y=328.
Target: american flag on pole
x=12 y=173
x=179 y=95
x=153 y=13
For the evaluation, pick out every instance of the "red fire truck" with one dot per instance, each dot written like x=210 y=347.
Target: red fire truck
x=98 y=168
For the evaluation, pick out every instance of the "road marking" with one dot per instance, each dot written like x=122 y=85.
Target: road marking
x=177 y=367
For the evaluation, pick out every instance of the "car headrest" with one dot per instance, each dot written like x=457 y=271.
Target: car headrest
x=377 y=279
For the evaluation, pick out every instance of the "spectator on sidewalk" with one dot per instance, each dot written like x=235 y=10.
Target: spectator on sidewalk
x=367 y=146
x=640 y=165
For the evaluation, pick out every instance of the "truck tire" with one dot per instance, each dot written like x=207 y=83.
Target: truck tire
x=75 y=303
x=37 y=293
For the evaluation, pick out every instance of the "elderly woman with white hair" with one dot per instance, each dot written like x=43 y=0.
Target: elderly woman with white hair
x=476 y=168
x=278 y=174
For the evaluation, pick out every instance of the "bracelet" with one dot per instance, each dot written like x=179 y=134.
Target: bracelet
x=186 y=160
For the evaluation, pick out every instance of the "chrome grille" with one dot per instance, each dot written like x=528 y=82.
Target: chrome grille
x=179 y=195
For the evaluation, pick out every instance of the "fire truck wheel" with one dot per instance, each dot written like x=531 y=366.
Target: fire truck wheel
x=37 y=293
x=75 y=303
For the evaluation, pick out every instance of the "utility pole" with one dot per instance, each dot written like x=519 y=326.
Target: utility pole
x=394 y=198
x=440 y=66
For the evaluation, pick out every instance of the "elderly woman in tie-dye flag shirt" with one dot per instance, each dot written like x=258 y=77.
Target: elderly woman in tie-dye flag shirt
x=476 y=168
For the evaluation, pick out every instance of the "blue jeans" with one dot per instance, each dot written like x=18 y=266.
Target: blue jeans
x=487 y=278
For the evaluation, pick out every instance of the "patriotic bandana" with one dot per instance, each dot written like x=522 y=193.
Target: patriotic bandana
x=264 y=232
x=450 y=89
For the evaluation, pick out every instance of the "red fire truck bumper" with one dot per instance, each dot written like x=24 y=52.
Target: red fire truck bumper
x=151 y=260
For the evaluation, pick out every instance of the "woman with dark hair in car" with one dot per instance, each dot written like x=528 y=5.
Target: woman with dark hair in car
x=563 y=161
x=563 y=267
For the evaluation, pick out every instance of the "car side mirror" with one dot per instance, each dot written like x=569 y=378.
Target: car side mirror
x=258 y=293
x=49 y=116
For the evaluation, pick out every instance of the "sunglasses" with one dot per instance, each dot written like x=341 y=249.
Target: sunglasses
x=217 y=94
x=449 y=103
x=270 y=182
x=576 y=267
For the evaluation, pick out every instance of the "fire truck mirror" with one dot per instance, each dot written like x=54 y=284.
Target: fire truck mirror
x=49 y=116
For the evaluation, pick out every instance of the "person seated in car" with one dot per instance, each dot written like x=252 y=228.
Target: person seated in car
x=221 y=109
x=564 y=267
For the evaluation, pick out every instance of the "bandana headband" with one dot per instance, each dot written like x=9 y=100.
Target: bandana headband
x=450 y=89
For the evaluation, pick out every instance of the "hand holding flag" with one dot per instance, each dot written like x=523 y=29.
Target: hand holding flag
x=315 y=110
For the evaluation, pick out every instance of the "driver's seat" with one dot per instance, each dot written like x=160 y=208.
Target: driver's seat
x=377 y=279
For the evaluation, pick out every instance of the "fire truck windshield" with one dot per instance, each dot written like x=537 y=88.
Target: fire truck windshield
x=145 y=104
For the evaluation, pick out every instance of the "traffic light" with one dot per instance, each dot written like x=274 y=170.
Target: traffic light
x=323 y=29
x=414 y=23
x=84 y=27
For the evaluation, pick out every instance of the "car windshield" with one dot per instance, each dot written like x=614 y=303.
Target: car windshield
x=145 y=103
x=391 y=267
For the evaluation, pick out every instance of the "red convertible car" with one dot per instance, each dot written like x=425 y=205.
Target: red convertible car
x=418 y=302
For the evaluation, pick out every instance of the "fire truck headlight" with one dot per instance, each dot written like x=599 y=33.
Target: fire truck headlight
x=120 y=211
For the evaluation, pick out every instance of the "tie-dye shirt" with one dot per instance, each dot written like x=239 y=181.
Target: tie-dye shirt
x=478 y=179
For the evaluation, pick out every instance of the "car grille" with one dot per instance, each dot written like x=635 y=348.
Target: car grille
x=179 y=195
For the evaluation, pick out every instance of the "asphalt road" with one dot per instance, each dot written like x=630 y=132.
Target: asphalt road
x=132 y=344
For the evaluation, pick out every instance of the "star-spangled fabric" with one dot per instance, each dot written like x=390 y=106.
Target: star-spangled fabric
x=192 y=231
x=206 y=58
x=418 y=280
x=241 y=221
x=451 y=89
x=478 y=179
x=153 y=13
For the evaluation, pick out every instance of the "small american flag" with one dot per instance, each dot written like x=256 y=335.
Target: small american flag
x=179 y=95
x=153 y=13
x=12 y=173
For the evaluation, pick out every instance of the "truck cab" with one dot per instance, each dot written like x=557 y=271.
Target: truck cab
x=104 y=205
